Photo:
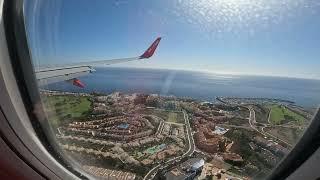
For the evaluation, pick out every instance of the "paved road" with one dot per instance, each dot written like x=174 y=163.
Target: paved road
x=235 y=126
x=153 y=171
x=190 y=137
x=252 y=121
x=269 y=114
x=285 y=142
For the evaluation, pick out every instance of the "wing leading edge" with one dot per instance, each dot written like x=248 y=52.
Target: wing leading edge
x=70 y=72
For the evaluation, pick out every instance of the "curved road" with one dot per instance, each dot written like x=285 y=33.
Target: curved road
x=153 y=171
x=252 y=122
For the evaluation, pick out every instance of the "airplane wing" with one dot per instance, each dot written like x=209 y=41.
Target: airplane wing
x=70 y=72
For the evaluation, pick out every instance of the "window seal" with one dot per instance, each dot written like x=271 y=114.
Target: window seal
x=23 y=71
x=21 y=64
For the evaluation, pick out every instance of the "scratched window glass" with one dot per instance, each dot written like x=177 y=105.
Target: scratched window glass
x=172 y=89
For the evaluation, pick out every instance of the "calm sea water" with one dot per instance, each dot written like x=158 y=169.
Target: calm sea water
x=204 y=86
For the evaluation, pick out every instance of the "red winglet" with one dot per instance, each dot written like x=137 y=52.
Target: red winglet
x=78 y=83
x=150 y=51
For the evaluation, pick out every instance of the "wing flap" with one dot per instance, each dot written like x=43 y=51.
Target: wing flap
x=49 y=76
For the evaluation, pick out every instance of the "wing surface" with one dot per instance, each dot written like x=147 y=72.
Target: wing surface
x=52 y=74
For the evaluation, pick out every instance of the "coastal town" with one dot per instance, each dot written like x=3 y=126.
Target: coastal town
x=149 y=136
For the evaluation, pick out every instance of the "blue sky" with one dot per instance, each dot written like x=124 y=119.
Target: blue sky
x=261 y=37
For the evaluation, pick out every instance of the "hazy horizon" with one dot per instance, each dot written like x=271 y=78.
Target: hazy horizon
x=251 y=37
x=207 y=71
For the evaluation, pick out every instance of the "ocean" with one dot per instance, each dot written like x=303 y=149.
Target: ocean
x=198 y=85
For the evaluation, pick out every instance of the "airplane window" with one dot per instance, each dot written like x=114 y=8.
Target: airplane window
x=171 y=89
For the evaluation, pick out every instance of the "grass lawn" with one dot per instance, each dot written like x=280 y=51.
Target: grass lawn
x=156 y=112
x=281 y=114
x=172 y=117
x=66 y=107
x=169 y=116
